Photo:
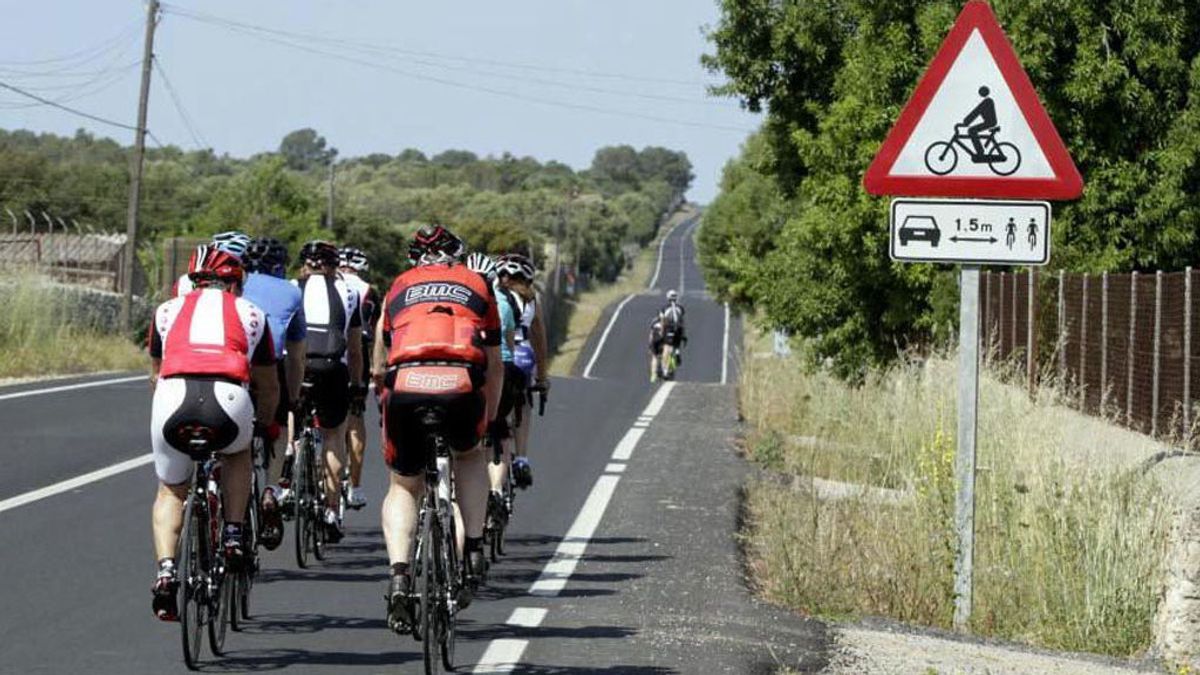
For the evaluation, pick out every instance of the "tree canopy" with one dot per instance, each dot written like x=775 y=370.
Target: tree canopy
x=793 y=232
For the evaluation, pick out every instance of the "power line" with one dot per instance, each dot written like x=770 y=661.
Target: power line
x=200 y=16
x=197 y=137
x=489 y=90
x=84 y=55
x=73 y=111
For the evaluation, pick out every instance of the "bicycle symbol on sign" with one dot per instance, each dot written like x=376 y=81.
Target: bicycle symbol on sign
x=976 y=136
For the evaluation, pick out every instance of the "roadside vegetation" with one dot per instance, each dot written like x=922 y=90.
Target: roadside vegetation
x=1069 y=551
x=40 y=335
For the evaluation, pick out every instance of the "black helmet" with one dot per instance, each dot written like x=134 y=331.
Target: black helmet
x=354 y=258
x=267 y=255
x=319 y=254
x=434 y=243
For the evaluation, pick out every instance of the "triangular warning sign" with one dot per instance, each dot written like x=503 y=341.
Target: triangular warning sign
x=974 y=126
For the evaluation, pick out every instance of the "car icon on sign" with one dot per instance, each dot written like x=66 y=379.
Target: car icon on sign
x=920 y=228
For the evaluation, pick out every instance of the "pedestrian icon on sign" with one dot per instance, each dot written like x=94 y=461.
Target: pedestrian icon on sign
x=976 y=135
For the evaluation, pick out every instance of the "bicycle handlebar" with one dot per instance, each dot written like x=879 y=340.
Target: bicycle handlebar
x=543 y=396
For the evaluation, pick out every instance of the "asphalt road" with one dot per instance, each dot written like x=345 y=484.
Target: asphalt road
x=622 y=557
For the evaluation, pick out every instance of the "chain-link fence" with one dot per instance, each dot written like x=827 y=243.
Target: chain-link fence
x=1121 y=344
x=84 y=259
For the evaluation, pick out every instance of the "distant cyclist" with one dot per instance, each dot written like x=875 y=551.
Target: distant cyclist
x=207 y=349
x=232 y=242
x=512 y=394
x=667 y=334
x=438 y=343
x=267 y=260
x=515 y=274
x=333 y=361
x=354 y=264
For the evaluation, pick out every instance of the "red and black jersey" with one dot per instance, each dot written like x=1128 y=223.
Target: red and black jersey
x=440 y=313
x=210 y=333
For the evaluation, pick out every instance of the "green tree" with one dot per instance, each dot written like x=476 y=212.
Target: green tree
x=304 y=149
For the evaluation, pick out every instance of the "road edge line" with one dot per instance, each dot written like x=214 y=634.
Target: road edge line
x=71 y=387
x=72 y=483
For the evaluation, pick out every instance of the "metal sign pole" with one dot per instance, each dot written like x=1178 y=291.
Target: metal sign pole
x=964 y=461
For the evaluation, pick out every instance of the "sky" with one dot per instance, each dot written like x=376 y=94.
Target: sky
x=383 y=75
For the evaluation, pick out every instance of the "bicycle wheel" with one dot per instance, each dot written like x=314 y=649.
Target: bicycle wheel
x=316 y=466
x=1011 y=162
x=430 y=593
x=452 y=580
x=222 y=597
x=302 y=499
x=941 y=158
x=191 y=585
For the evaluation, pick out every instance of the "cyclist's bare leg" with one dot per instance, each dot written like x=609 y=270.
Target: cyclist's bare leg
x=235 y=483
x=498 y=473
x=667 y=352
x=400 y=515
x=521 y=433
x=334 y=441
x=471 y=485
x=356 y=442
x=167 y=518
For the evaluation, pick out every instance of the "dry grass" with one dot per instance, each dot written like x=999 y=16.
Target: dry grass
x=38 y=337
x=1069 y=547
x=585 y=311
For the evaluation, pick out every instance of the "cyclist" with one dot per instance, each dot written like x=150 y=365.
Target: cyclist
x=512 y=393
x=232 y=242
x=266 y=260
x=667 y=335
x=353 y=264
x=437 y=312
x=515 y=276
x=333 y=361
x=207 y=348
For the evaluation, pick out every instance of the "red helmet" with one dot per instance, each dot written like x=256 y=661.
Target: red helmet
x=434 y=242
x=209 y=263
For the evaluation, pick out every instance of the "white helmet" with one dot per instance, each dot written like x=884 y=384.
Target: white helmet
x=672 y=295
x=481 y=263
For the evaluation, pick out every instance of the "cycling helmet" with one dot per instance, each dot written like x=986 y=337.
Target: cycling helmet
x=483 y=264
x=354 y=258
x=434 y=244
x=210 y=263
x=267 y=255
x=672 y=295
x=232 y=242
x=515 y=265
x=319 y=254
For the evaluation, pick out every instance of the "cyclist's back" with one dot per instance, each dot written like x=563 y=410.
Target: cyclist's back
x=283 y=304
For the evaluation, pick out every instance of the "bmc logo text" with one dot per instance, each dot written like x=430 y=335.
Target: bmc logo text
x=437 y=292
x=431 y=382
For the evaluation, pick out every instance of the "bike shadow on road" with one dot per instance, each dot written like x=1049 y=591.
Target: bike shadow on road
x=263 y=660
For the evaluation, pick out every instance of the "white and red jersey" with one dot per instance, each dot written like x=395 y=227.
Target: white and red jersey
x=211 y=333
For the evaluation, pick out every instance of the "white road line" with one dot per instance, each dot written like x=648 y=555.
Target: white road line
x=501 y=656
x=527 y=617
x=504 y=656
x=72 y=483
x=70 y=387
x=587 y=372
x=725 y=349
x=558 y=571
x=658 y=264
x=628 y=442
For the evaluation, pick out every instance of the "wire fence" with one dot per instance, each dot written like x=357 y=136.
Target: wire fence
x=1121 y=345
x=82 y=258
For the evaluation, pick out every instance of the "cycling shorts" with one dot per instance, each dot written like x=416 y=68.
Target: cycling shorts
x=512 y=397
x=221 y=405
x=285 y=402
x=330 y=390
x=456 y=391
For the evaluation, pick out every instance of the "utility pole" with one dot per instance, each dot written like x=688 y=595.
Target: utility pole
x=135 y=181
x=329 y=209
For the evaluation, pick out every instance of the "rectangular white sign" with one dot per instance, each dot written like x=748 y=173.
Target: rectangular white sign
x=982 y=232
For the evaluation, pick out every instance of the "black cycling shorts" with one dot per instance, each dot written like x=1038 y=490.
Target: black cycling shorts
x=285 y=402
x=512 y=396
x=330 y=392
x=461 y=408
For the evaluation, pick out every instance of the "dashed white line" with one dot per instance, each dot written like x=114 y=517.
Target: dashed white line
x=558 y=571
x=527 y=617
x=501 y=656
x=628 y=442
x=72 y=483
x=70 y=387
x=614 y=467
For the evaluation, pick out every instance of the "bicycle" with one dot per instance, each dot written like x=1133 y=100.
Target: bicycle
x=308 y=486
x=500 y=507
x=438 y=575
x=205 y=599
x=668 y=361
x=251 y=529
x=1003 y=159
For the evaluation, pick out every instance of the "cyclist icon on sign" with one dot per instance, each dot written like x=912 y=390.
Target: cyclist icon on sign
x=976 y=135
x=1033 y=231
x=1010 y=231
